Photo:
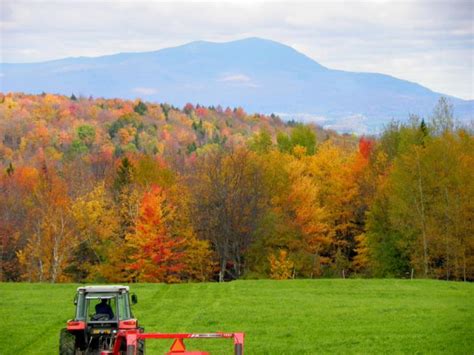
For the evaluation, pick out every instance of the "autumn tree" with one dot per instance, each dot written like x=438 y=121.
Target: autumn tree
x=96 y=223
x=308 y=215
x=422 y=207
x=155 y=254
x=160 y=249
x=281 y=268
x=261 y=142
x=50 y=248
x=227 y=203
x=301 y=135
x=15 y=226
x=140 y=108
x=335 y=171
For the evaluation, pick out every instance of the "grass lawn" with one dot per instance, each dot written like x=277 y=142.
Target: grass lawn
x=278 y=317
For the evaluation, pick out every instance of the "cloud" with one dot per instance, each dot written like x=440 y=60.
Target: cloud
x=238 y=80
x=145 y=91
x=235 y=78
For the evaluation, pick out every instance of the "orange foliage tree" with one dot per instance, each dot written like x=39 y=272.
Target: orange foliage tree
x=155 y=253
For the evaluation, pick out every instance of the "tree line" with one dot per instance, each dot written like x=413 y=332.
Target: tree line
x=110 y=190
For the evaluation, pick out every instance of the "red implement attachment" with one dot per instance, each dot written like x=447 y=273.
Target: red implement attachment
x=130 y=337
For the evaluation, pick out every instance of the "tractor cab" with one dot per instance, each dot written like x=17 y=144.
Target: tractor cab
x=103 y=304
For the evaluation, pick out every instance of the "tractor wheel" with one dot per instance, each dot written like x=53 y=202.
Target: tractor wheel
x=141 y=347
x=130 y=350
x=67 y=343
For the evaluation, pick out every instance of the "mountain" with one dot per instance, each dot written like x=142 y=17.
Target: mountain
x=259 y=75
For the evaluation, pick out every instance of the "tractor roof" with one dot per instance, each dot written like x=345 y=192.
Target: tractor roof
x=103 y=288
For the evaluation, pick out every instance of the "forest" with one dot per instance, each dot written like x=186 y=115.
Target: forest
x=112 y=190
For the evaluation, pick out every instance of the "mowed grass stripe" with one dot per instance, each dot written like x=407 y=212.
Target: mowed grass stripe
x=278 y=317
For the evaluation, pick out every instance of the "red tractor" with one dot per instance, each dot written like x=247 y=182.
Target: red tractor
x=104 y=324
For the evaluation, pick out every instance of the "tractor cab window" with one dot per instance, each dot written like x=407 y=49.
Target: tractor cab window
x=123 y=306
x=80 y=307
x=101 y=307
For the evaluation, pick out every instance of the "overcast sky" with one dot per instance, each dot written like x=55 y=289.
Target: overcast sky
x=429 y=42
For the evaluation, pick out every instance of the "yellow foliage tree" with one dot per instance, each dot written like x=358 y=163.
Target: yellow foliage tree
x=281 y=267
x=96 y=224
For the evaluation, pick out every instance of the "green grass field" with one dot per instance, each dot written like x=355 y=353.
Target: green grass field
x=278 y=317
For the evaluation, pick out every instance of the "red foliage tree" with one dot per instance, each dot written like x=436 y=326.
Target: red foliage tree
x=366 y=146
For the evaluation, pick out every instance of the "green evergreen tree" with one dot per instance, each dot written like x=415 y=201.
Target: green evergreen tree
x=124 y=175
x=140 y=108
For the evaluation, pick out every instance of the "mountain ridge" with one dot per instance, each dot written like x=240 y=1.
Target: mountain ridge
x=258 y=74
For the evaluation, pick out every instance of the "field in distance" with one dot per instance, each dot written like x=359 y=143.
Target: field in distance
x=278 y=317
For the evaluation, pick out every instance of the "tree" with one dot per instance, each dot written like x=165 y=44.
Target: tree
x=387 y=246
x=96 y=224
x=280 y=267
x=124 y=176
x=304 y=136
x=447 y=158
x=227 y=196
x=308 y=216
x=15 y=227
x=155 y=254
x=420 y=215
x=261 y=142
x=301 y=135
x=148 y=171
x=284 y=142
x=86 y=133
x=49 y=249
x=410 y=201
x=442 y=119
x=336 y=172
x=140 y=108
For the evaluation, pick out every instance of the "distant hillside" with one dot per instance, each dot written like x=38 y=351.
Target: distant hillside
x=30 y=123
x=259 y=75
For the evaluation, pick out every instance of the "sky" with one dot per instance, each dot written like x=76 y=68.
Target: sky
x=430 y=42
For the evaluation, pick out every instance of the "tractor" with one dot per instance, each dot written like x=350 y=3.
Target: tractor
x=101 y=312
x=104 y=324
